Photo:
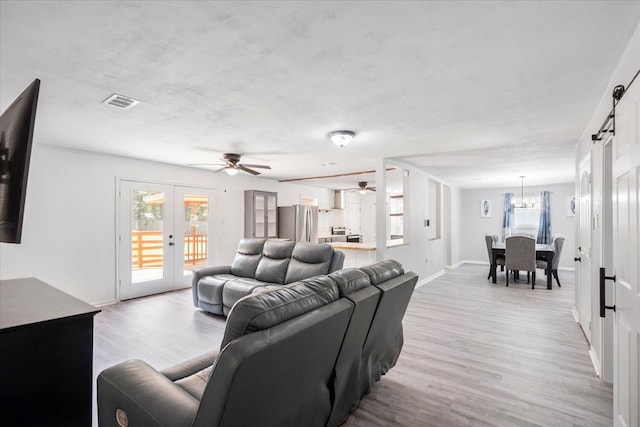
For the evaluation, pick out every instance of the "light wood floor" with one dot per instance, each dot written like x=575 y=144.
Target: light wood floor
x=475 y=353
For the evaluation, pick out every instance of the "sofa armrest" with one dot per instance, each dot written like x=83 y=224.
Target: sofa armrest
x=199 y=273
x=190 y=366
x=142 y=395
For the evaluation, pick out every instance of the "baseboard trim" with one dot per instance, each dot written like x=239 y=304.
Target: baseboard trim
x=595 y=362
x=576 y=316
x=456 y=265
x=429 y=279
x=475 y=262
x=104 y=303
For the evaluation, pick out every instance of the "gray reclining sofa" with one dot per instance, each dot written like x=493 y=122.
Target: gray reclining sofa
x=259 y=263
x=301 y=354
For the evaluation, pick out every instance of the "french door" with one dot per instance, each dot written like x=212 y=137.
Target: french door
x=164 y=232
x=626 y=238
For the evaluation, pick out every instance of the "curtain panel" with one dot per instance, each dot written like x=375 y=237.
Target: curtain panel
x=507 y=219
x=544 y=229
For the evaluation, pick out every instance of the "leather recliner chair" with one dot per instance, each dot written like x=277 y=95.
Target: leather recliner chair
x=275 y=368
x=380 y=294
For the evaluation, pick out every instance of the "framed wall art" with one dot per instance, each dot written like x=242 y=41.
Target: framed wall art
x=485 y=208
x=571 y=206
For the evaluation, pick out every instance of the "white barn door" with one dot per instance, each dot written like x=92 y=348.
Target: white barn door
x=626 y=238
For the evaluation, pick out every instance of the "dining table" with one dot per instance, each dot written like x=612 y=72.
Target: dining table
x=543 y=252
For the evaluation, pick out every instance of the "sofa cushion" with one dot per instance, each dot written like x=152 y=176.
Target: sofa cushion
x=350 y=280
x=246 y=260
x=383 y=271
x=263 y=310
x=274 y=262
x=238 y=288
x=210 y=288
x=308 y=260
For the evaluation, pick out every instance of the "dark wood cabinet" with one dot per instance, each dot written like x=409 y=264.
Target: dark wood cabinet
x=46 y=355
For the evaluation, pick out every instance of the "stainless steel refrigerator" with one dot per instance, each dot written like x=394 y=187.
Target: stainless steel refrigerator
x=298 y=223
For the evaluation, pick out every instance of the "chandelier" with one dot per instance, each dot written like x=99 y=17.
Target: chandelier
x=523 y=202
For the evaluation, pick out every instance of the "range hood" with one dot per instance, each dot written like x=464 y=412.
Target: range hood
x=338 y=199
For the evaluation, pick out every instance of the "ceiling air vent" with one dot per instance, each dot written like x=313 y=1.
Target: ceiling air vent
x=120 y=101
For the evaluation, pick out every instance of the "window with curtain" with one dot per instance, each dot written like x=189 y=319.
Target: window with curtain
x=526 y=220
x=532 y=218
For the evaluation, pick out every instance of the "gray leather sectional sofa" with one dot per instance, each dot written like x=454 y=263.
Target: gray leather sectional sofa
x=259 y=263
x=301 y=354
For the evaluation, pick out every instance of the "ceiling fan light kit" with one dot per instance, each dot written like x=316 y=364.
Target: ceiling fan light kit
x=363 y=187
x=341 y=137
x=232 y=165
x=229 y=170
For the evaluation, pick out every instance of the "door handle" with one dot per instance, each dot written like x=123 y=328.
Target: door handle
x=577 y=259
x=603 y=303
x=171 y=244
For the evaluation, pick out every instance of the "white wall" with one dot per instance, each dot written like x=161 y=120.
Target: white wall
x=70 y=216
x=423 y=256
x=456 y=218
x=473 y=227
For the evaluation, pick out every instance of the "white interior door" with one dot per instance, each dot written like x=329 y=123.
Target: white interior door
x=353 y=217
x=163 y=233
x=584 y=248
x=626 y=235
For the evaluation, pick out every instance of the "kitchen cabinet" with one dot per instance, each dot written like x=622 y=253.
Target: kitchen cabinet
x=260 y=214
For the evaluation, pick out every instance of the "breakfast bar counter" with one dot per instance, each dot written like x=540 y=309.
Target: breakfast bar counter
x=354 y=246
x=356 y=254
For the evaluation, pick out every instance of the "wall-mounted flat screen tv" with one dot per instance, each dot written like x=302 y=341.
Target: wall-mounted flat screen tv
x=16 y=137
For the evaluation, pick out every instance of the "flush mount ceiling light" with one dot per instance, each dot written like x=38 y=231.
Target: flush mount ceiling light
x=341 y=137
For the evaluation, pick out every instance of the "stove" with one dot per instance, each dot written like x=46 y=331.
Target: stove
x=339 y=231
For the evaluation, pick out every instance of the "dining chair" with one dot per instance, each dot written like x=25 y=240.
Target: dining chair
x=490 y=239
x=520 y=255
x=557 y=243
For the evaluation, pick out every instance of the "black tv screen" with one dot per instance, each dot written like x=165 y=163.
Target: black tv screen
x=16 y=136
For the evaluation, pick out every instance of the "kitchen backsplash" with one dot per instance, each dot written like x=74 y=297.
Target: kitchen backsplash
x=328 y=219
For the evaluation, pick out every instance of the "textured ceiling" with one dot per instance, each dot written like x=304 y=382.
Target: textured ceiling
x=477 y=93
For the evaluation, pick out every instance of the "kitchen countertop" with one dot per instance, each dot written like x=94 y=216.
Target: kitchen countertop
x=354 y=246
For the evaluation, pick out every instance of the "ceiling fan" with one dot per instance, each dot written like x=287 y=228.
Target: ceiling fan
x=363 y=188
x=232 y=165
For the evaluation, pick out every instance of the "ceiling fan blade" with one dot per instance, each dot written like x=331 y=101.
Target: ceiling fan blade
x=371 y=188
x=251 y=171
x=219 y=170
x=206 y=164
x=255 y=166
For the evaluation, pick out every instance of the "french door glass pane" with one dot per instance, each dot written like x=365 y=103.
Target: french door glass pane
x=196 y=232
x=147 y=251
